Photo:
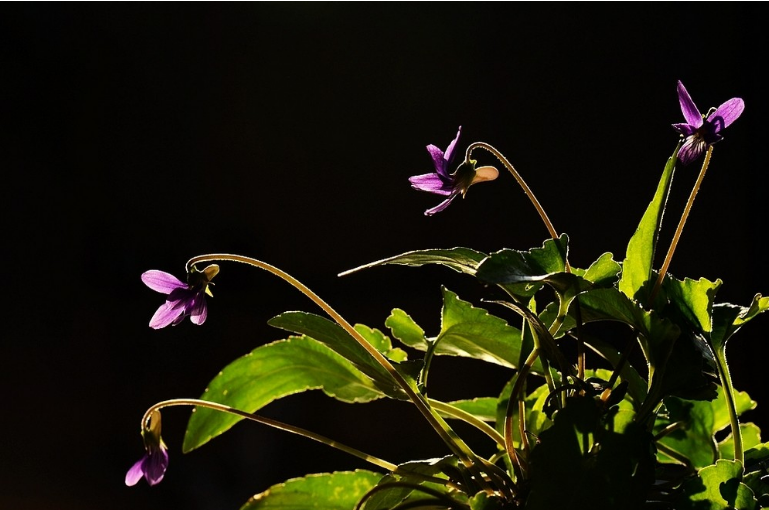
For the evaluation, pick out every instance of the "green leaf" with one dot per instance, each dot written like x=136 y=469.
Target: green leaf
x=568 y=471
x=395 y=488
x=271 y=372
x=483 y=408
x=381 y=342
x=728 y=319
x=462 y=260
x=699 y=421
x=602 y=272
x=718 y=487
x=521 y=272
x=474 y=333
x=336 y=338
x=639 y=256
x=751 y=438
x=406 y=330
x=325 y=491
x=693 y=299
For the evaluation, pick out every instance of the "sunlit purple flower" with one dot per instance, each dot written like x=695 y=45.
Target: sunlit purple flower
x=441 y=182
x=152 y=466
x=184 y=299
x=703 y=131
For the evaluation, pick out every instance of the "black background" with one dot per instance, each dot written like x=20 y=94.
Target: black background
x=137 y=135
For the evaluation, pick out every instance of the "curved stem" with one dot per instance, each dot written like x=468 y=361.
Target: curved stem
x=272 y=423
x=460 y=449
x=455 y=412
x=521 y=183
x=677 y=236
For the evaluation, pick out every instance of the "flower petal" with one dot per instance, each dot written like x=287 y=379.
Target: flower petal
x=432 y=183
x=438 y=161
x=199 y=310
x=685 y=129
x=449 y=156
x=162 y=282
x=155 y=466
x=727 y=113
x=135 y=473
x=167 y=314
x=438 y=208
x=688 y=108
x=691 y=149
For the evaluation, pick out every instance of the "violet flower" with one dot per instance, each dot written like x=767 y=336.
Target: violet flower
x=152 y=466
x=703 y=131
x=441 y=182
x=184 y=299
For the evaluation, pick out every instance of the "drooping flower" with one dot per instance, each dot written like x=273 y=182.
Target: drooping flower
x=152 y=466
x=702 y=131
x=441 y=182
x=184 y=299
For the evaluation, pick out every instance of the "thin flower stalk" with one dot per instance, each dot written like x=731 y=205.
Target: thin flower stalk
x=677 y=235
x=272 y=423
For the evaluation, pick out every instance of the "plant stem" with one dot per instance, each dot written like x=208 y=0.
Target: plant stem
x=677 y=236
x=521 y=183
x=460 y=449
x=272 y=423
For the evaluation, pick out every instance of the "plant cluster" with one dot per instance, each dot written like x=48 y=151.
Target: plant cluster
x=579 y=424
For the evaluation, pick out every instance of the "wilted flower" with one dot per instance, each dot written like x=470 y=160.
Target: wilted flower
x=183 y=298
x=152 y=466
x=703 y=131
x=441 y=182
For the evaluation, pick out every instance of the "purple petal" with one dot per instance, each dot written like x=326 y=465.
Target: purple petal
x=167 y=314
x=438 y=208
x=449 y=157
x=162 y=282
x=727 y=113
x=688 y=108
x=432 y=183
x=135 y=473
x=199 y=311
x=685 y=129
x=155 y=466
x=691 y=149
x=438 y=161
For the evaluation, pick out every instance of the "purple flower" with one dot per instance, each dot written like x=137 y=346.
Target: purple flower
x=152 y=466
x=703 y=131
x=183 y=298
x=441 y=182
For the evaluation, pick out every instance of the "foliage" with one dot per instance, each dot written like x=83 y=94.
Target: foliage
x=665 y=433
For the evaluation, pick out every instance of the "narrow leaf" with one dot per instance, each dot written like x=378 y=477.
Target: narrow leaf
x=462 y=260
x=639 y=256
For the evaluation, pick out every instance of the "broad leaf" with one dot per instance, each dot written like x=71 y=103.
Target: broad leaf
x=336 y=338
x=718 y=487
x=698 y=422
x=521 y=272
x=326 y=491
x=271 y=372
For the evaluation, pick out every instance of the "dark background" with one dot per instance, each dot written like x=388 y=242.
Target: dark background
x=137 y=135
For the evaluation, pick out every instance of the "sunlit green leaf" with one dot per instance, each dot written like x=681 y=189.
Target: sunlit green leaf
x=271 y=372
x=462 y=260
x=751 y=438
x=639 y=256
x=694 y=300
x=325 y=491
x=718 y=487
x=336 y=338
x=521 y=272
